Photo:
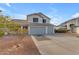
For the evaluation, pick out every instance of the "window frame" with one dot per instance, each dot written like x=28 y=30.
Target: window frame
x=44 y=20
x=35 y=20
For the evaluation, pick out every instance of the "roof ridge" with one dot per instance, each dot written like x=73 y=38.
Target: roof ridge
x=39 y=13
x=68 y=20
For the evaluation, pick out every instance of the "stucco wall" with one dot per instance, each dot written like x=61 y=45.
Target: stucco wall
x=40 y=19
x=70 y=22
x=77 y=30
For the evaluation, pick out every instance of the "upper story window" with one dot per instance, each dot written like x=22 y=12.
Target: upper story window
x=35 y=19
x=44 y=20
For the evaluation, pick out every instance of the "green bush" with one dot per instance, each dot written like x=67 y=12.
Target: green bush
x=22 y=31
x=1 y=25
x=13 y=27
x=1 y=33
x=61 y=30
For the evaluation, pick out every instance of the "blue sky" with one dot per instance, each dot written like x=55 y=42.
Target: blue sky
x=58 y=12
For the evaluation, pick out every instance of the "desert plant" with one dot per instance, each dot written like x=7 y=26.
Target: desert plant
x=1 y=33
x=22 y=31
x=61 y=30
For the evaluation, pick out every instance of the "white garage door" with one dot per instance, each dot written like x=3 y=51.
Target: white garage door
x=37 y=30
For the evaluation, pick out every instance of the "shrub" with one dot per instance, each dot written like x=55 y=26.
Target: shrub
x=1 y=25
x=13 y=27
x=1 y=33
x=61 y=30
x=22 y=31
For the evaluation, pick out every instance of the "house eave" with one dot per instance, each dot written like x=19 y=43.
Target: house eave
x=39 y=14
x=40 y=24
x=68 y=21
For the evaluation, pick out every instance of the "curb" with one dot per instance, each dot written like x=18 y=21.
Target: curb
x=34 y=39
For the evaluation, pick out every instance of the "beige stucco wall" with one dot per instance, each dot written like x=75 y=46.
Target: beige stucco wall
x=77 y=30
x=75 y=22
x=70 y=22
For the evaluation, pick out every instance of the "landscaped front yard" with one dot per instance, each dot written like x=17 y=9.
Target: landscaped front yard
x=17 y=44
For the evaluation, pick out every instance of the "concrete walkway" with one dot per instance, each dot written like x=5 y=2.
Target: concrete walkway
x=58 y=44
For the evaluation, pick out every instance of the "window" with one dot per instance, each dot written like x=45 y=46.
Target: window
x=35 y=19
x=72 y=25
x=44 y=20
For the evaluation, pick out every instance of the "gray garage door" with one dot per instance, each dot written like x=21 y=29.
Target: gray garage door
x=37 y=30
x=50 y=30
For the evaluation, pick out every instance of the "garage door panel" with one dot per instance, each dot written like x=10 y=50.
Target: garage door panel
x=50 y=30
x=37 y=30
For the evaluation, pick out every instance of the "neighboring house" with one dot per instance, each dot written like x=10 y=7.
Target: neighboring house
x=39 y=24
x=23 y=23
x=72 y=25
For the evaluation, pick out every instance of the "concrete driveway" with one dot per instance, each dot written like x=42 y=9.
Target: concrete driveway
x=58 y=44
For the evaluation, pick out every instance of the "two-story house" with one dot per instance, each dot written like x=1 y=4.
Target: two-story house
x=71 y=25
x=39 y=24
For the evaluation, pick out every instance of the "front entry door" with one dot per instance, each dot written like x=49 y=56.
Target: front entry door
x=72 y=26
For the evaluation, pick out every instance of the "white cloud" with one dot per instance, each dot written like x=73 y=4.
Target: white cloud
x=56 y=20
x=8 y=4
x=19 y=16
x=53 y=21
x=75 y=15
x=2 y=9
x=13 y=15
